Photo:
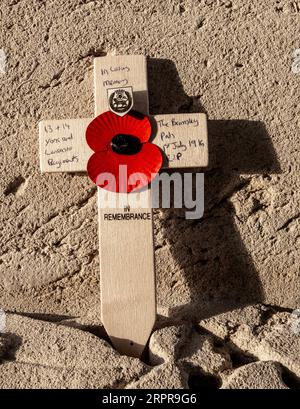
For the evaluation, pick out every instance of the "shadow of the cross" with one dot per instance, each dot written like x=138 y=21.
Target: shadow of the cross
x=210 y=260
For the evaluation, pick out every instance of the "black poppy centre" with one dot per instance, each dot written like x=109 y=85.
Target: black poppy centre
x=126 y=144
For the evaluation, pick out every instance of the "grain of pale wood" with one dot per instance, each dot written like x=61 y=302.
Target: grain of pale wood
x=63 y=147
x=127 y=275
x=183 y=140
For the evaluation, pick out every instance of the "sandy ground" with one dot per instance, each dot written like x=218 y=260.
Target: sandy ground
x=238 y=62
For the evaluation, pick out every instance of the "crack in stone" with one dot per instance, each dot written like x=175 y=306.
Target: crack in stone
x=56 y=77
x=29 y=75
x=14 y=186
x=286 y=225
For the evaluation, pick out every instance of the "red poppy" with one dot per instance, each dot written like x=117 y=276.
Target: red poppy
x=122 y=150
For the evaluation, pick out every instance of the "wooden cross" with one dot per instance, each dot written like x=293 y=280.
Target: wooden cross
x=127 y=277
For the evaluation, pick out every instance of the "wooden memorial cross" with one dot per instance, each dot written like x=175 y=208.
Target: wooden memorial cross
x=127 y=278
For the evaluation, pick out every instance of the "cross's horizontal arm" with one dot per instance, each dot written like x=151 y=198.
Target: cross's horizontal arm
x=182 y=138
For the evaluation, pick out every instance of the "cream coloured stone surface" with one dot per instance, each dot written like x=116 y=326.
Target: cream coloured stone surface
x=262 y=375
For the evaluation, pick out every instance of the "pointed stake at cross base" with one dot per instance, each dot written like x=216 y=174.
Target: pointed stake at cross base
x=127 y=277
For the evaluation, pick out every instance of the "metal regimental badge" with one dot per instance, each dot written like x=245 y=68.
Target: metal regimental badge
x=120 y=100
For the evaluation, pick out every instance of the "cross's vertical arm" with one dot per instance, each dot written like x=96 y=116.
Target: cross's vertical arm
x=127 y=278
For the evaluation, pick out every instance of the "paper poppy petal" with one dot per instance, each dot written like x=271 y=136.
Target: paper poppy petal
x=105 y=168
x=104 y=127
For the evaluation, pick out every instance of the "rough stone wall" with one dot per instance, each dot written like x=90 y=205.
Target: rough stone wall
x=250 y=348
